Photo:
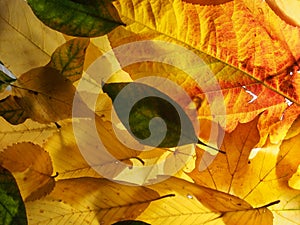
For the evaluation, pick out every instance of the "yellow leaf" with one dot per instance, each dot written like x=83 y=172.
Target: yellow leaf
x=32 y=168
x=259 y=178
x=25 y=42
x=256 y=73
x=91 y=201
x=286 y=10
x=27 y=131
x=194 y=204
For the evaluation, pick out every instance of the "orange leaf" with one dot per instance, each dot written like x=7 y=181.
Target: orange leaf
x=32 y=168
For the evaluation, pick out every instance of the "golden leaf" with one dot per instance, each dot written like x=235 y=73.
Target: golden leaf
x=32 y=168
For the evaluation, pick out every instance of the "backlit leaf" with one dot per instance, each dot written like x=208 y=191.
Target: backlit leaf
x=12 y=209
x=237 y=48
x=259 y=176
x=194 y=204
x=90 y=200
x=207 y=2
x=25 y=42
x=286 y=10
x=12 y=111
x=32 y=168
x=179 y=128
x=68 y=59
x=77 y=18
x=27 y=131
x=44 y=95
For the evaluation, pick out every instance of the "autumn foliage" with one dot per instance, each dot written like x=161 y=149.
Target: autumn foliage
x=230 y=154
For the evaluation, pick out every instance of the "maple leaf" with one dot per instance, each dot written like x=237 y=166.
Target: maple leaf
x=257 y=176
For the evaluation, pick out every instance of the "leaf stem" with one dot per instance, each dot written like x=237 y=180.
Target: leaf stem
x=269 y=204
x=216 y=149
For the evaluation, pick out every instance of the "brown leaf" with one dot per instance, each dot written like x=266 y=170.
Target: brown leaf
x=44 y=94
x=31 y=166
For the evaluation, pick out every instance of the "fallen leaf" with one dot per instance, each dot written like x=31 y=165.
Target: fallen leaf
x=194 y=204
x=139 y=120
x=68 y=59
x=77 y=18
x=259 y=65
x=25 y=42
x=259 y=179
x=25 y=132
x=12 y=209
x=32 y=168
x=12 y=111
x=44 y=95
x=92 y=200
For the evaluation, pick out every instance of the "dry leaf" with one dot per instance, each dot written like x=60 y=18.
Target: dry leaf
x=26 y=42
x=31 y=166
x=91 y=201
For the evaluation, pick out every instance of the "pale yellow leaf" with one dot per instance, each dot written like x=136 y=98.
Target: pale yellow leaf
x=25 y=42
x=90 y=201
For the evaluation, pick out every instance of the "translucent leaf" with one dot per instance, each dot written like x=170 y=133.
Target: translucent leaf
x=25 y=42
x=27 y=131
x=234 y=41
x=194 y=204
x=77 y=18
x=32 y=168
x=286 y=10
x=258 y=175
x=41 y=94
x=68 y=59
x=12 y=209
x=156 y=105
x=90 y=200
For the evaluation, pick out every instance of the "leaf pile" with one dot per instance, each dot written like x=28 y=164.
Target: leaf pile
x=242 y=169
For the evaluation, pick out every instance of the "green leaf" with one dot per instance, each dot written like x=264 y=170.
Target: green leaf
x=179 y=128
x=6 y=77
x=87 y=18
x=68 y=59
x=131 y=222
x=12 y=111
x=12 y=209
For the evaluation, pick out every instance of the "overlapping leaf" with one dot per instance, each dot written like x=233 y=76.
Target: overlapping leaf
x=25 y=41
x=44 y=94
x=77 y=18
x=193 y=204
x=90 y=200
x=12 y=209
x=259 y=179
x=236 y=44
x=32 y=168
x=25 y=132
